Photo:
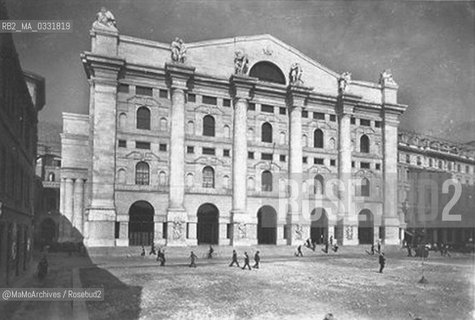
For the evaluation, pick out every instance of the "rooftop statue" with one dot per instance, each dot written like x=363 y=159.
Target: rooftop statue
x=105 y=19
x=241 y=62
x=178 y=50
x=295 y=74
x=386 y=77
x=344 y=81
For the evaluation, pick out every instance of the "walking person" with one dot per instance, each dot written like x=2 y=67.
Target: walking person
x=326 y=247
x=246 y=261
x=379 y=246
x=152 y=249
x=382 y=262
x=210 y=252
x=331 y=241
x=42 y=268
x=257 y=259
x=299 y=251
x=193 y=258
x=234 y=259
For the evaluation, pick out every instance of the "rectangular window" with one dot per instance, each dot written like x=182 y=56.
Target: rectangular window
x=467 y=169
x=250 y=155
x=430 y=162
x=226 y=153
x=365 y=122
x=319 y=116
x=122 y=144
x=408 y=158
x=282 y=111
x=318 y=161
x=229 y=228
x=142 y=145
x=117 y=230
x=267 y=108
x=267 y=156
x=377 y=124
x=378 y=166
x=353 y=120
x=304 y=159
x=282 y=158
x=162 y=93
x=162 y=147
x=226 y=103
x=190 y=149
x=209 y=151
x=364 y=165
x=164 y=230
x=252 y=107
x=210 y=100
x=304 y=114
x=144 y=91
x=123 y=88
x=191 y=97
x=352 y=164
x=333 y=118
x=332 y=162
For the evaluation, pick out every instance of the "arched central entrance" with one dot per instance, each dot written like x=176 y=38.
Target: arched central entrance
x=141 y=224
x=48 y=231
x=365 y=227
x=208 y=224
x=266 y=225
x=319 y=225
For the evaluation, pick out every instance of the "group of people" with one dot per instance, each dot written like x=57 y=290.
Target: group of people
x=311 y=244
x=234 y=260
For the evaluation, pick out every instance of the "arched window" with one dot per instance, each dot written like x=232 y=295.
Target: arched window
x=189 y=180
x=208 y=126
x=331 y=143
x=318 y=182
x=226 y=182
x=227 y=132
x=250 y=134
x=208 y=177
x=162 y=178
x=364 y=187
x=121 y=176
x=163 y=124
x=122 y=120
x=266 y=181
x=142 y=173
x=318 y=138
x=304 y=141
x=364 y=144
x=267 y=71
x=143 y=118
x=266 y=132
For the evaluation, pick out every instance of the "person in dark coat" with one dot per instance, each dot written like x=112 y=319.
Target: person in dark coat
x=326 y=247
x=382 y=262
x=143 y=251
x=210 y=252
x=246 y=261
x=372 y=249
x=234 y=259
x=193 y=258
x=379 y=246
x=299 y=251
x=152 y=249
x=42 y=268
x=257 y=259
x=335 y=247
x=331 y=241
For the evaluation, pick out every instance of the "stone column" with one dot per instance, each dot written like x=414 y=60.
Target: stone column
x=347 y=217
x=391 y=113
x=68 y=209
x=62 y=191
x=78 y=215
x=241 y=223
x=299 y=227
x=103 y=72
x=178 y=75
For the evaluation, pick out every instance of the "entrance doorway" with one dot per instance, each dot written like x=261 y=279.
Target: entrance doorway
x=266 y=225
x=141 y=226
x=365 y=227
x=208 y=224
x=319 y=225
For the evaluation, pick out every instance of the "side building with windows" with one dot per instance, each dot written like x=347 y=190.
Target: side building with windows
x=436 y=189
x=230 y=145
x=21 y=98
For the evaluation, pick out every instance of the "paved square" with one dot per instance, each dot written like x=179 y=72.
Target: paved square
x=347 y=285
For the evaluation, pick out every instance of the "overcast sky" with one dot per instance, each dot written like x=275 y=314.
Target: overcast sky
x=428 y=45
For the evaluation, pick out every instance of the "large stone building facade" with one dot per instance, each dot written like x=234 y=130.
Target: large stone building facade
x=21 y=98
x=234 y=141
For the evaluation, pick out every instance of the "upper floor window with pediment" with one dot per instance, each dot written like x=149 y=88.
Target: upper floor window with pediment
x=318 y=138
x=143 y=118
x=266 y=132
x=364 y=144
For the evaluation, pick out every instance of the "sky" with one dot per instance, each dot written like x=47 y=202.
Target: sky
x=428 y=45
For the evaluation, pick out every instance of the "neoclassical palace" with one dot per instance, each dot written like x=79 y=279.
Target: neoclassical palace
x=237 y=141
